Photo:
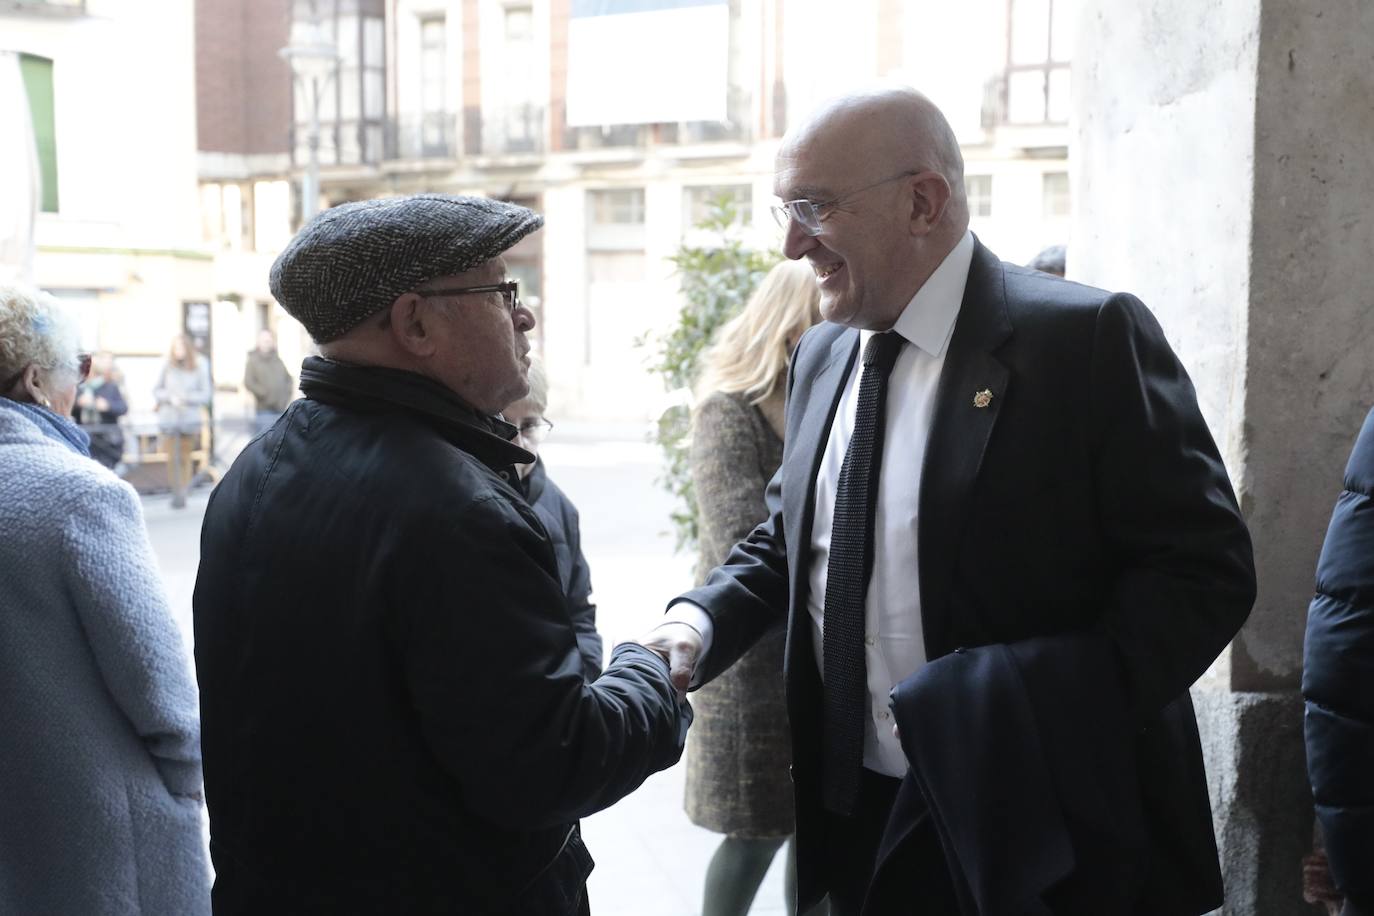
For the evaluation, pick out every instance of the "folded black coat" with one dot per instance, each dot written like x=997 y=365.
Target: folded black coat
x=394 y=713
x=1338 y=682
x=1047 y=795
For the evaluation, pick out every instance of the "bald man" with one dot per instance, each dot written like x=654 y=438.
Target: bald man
x=1000 y=521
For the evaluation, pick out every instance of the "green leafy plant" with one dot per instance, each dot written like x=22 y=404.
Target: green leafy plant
x=715 y=281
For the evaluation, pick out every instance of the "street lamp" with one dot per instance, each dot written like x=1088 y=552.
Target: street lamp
x=313 y=57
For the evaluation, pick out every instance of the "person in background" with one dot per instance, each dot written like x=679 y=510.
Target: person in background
x=558 y=514
x=1050 y=260
x=738 y=756
x=1338 y=685
x=99 y=405
x=100 y=778
x=183 y=391
x=267 y=380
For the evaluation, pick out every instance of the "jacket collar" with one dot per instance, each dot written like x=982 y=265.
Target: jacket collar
x=532 y=484
x=60 y=429
x=380 y=390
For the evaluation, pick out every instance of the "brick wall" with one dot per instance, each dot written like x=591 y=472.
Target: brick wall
x=243 y=87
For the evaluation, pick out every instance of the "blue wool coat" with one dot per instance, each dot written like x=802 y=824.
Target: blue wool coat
x=1338 y=681
x=100 y=755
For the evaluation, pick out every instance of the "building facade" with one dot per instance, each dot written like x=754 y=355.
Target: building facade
x=106 y=96
x=619 y=120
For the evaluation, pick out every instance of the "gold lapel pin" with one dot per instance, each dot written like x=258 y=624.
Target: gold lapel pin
x=982 y=398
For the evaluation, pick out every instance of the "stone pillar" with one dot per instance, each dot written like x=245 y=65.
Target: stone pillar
x=1223 y=172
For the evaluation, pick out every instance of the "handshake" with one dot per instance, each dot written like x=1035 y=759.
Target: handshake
x=681 y=646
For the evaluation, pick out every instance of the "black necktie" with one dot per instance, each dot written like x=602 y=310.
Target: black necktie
x=848 y=570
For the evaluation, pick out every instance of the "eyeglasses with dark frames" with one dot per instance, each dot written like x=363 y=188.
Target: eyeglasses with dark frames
x=808 y=213
x=509 y=290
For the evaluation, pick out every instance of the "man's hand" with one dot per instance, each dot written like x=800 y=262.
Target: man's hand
x=680 y=646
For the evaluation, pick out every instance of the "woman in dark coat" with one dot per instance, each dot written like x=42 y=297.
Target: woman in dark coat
x=1338 y=684
x=738 y=752
x=99 y=405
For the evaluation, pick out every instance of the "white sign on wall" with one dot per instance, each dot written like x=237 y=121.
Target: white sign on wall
x=647 y=61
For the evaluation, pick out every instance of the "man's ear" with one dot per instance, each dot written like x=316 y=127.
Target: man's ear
x=930 y=195
x=411 y=325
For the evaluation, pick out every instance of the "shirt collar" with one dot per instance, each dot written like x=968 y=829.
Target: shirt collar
x=928 y=319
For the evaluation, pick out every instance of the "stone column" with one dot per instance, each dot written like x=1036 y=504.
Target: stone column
x=1223 y=171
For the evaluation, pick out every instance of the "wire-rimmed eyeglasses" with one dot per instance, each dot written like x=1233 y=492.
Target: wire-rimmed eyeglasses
x=808 y=213
x=534 y=428
x=509 y=290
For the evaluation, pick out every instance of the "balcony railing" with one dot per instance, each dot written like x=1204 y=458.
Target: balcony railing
x=734 y=129
x=1027 y=96
x=341 y=143
x=516 y=130
x=44 y=7
x=427 y=136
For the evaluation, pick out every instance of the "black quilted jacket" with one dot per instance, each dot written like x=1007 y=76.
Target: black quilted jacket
x=1338 y=682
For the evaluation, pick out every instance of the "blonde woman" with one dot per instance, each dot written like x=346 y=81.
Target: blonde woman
x=739 y=752
x=183 y=390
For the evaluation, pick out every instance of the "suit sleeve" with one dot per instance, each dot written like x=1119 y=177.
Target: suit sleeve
x=1185 y=580
x=748 y=593
x=1338 y=681
x=492 y=665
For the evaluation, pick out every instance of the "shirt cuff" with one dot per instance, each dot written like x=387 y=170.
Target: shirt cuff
x=694 y=616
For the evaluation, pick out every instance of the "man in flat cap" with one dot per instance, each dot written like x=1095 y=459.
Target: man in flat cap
x=395 y=718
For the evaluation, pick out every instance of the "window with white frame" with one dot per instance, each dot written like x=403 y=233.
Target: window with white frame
x=616 y=207
x=1055 y=191
x=1039 y=51
x=978 y=188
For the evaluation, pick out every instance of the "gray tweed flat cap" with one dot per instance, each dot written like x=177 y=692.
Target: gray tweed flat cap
x=354 y=259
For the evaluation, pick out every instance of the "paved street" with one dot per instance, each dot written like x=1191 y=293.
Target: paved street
x=650 y=858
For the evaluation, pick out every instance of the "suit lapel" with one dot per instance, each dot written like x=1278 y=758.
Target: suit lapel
x=807 y=447
x=974 y=386
x=816 y=402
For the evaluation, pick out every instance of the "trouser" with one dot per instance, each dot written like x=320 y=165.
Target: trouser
x=921 y=885
x=179 y=448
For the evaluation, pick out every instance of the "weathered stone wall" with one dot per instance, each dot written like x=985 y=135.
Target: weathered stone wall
x=1224 y=172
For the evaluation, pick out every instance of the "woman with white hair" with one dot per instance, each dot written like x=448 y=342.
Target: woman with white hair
x=739 y=751
x=100 y=782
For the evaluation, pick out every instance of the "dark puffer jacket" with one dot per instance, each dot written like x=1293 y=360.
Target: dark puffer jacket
x=561 y=521
x=394 y=713
x=1338 y=682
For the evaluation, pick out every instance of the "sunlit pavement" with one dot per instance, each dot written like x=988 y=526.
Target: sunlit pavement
x=650 y=859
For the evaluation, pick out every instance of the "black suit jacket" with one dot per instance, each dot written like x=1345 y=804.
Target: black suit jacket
x=1086 y=496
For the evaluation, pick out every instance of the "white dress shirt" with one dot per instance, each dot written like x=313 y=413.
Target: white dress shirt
x=894 y=645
